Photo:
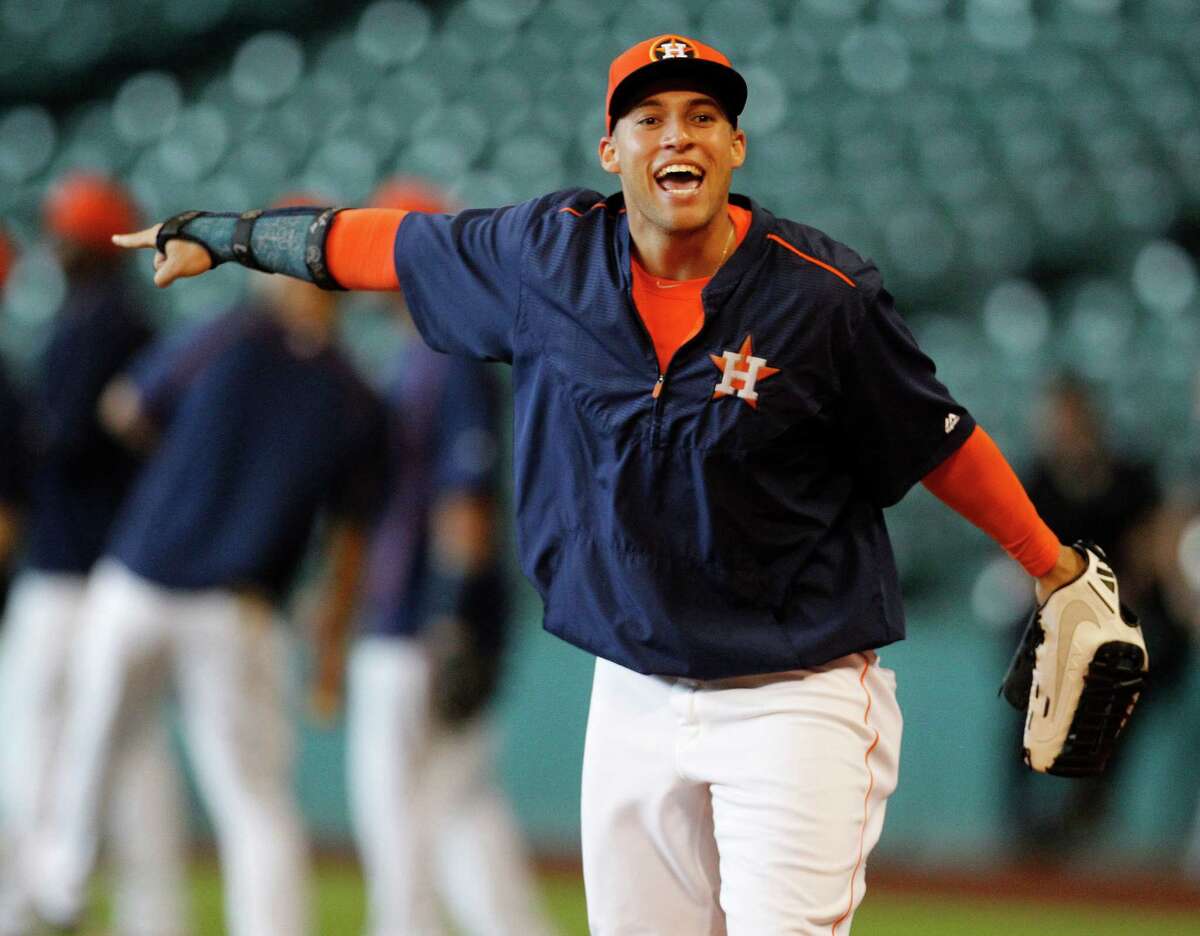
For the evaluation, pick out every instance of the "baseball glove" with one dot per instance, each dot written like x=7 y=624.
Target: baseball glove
x=466 y=672
x=1077 y=673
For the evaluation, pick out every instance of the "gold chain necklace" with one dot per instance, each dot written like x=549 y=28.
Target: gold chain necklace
x=668 y=284
x=728 y=241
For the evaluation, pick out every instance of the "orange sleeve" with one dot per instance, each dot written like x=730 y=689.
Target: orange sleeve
x=978 y=482
x=359 y=248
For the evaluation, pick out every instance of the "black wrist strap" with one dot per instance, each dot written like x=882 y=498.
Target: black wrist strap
x=243 y=253
x=173 y=229
x=314 y=250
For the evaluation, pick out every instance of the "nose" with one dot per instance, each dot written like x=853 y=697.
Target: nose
x=677 y=133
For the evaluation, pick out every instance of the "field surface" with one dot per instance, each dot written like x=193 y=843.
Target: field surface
x=889 y=910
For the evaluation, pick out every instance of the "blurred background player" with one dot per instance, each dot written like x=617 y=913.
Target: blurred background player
x=1082 y=487
x=12 y=473
x=429 y=818
x=257 y=422
x=12 y=497
x=78 y=476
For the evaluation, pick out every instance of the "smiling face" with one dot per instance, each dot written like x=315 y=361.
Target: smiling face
x=675 y=151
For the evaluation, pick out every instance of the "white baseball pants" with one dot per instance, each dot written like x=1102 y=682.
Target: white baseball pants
x=226 y=656
x=743 y=806
x=146 y=824
x=428 y=816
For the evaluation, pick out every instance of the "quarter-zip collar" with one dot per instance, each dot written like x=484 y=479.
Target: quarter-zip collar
x=739 y=262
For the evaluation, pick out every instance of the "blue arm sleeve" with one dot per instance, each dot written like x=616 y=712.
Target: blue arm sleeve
x=278 y=240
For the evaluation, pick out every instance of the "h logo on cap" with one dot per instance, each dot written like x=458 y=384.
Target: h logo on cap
x=672 y=47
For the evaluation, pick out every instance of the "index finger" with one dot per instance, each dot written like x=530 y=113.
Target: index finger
x=143 y=238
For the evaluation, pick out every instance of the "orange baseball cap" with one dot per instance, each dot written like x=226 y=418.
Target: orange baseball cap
x=8 y=256
x=667 y=58
x=409 y=194
x=89 y=209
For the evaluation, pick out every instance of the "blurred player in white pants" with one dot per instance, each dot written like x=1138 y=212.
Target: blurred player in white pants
x=12 y=466
x=261 y=424
x=78 y=476
x=429 y=817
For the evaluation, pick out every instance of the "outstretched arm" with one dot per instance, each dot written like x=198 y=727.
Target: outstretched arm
x=978 y=483
x=334 y=249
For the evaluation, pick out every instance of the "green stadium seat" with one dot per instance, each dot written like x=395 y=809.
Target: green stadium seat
x=639 y=19
x=768 y=108
x=339 y=59
x=875 y=59
x=486 y=189
x=486 y=40
x=531 y=162
x=262 y=163
x=503 y=14
x=1016 y=318
x=574 y=15
x=267 y=68
x=28 y=137
x=392 y=33
x=746 y=30
x=146 y=107
x=1164 y=278
x=400 y=100
x=196 y=145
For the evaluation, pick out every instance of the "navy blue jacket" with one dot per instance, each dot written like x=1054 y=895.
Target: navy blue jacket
x=13 y=455
x=79 y=474
x=258 y=436
x=444 y=428
x=690 y=533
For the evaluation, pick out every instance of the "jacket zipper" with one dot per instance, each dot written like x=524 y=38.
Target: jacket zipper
x=656 y=390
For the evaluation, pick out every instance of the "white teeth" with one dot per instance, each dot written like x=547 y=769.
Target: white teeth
x=678 y=167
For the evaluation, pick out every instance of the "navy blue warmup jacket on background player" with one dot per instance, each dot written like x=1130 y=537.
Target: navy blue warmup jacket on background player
x=13 y=457
x=257 y=437
x=686 y=533
x=79 y=474
x=443 y=427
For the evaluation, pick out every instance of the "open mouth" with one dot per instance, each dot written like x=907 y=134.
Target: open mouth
x=679 y=177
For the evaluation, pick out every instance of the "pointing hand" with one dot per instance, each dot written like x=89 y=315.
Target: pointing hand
x=183 y=258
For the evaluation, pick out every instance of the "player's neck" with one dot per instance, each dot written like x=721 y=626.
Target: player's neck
x=682 y=255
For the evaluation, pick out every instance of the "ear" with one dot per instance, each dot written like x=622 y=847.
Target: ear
x=738 y=146
x=609 y=160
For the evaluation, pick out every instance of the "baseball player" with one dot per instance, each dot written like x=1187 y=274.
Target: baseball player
x=260 y=425
x=428 y=815
x=77 y=476
x=713 y=406
x=12 y=468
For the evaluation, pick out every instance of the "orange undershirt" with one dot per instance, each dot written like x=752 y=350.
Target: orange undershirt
x=671 y=309
x=975 y=481
x=978 y=483
x=359 y=248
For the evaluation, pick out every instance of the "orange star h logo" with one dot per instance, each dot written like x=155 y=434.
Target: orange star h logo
x=740 y=371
